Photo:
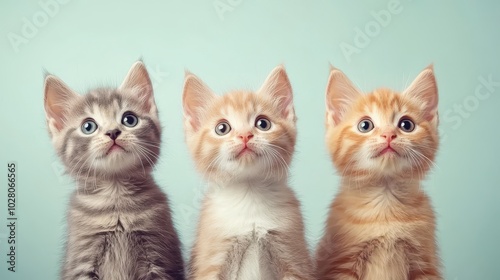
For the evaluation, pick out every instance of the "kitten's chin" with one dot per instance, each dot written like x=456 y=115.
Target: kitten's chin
x=247 y=168
x=120 y=162
x=393 y=166
x=115 y=150
x=247 y=158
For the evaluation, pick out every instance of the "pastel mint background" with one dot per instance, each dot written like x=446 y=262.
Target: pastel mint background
x=93 y=43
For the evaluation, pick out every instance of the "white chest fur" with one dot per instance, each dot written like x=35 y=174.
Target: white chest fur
x=241 y=209
x=250 y=211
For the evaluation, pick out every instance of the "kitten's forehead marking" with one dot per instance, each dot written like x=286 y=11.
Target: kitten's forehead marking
x=104 y=98
x=385 y=107
x=240 y=109
x=104 y=107
x=239 y=118
x=107 y=98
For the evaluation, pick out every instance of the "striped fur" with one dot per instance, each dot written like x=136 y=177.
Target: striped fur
x=250 y=224
x=381 y=224
x=119 y=221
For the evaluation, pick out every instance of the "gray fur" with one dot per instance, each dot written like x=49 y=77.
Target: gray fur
x=119 y=221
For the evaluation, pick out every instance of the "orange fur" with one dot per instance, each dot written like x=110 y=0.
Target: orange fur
x=243 y=105
x=250 y=224
x=381 y=224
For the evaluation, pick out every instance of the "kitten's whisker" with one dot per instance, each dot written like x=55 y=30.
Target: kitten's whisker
x=273 y=158
x=284 y=165
x=268 y=163
x=146 y=155
x=136 y=153
x=276 y=146
x=417 y=161
x=150 y=155
x=88 y=172
x=350 y=162
x=90 y=157
x=212 y=164
x=149 y=144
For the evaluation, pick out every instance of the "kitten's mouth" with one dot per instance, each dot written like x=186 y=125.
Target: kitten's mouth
x=114 y=147
x=387 y=151
x=245 y=151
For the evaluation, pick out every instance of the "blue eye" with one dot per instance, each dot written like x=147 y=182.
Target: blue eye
x=365 y=125
x=222 y=128
x=89 y=126
x=129 y=119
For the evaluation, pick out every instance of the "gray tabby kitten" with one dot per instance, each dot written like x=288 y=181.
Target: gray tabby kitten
x=119 y=221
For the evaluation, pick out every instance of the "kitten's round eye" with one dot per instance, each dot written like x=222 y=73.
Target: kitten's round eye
x=365 y=125
x=263 y=124
x=222 y=128
x=89 y=126
x=129 y=119
x=406 y=125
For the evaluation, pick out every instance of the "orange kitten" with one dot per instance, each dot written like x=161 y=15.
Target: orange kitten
x=250 y=224
x=381 y=225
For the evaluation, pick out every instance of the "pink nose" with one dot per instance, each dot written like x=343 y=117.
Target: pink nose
x=246 y=138
x=389 y=136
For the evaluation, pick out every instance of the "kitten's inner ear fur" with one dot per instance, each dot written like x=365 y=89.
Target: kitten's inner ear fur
x=195 y=98
x=278 y=86
x=57 y=98
x=340 y=96
x=424 y=91
x=138 y=79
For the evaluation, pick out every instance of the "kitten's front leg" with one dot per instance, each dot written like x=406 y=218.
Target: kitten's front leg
x=348 y=263
x=290 y=259
x=84 y=256
x=160 y=257
x=422 y=261
x=234 y=258
x=423 y=271
x=218 y=260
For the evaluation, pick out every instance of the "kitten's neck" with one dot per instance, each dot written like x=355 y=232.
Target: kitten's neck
x=389 y=192
x=253 y=184
x=96 y=183
x=394 y=184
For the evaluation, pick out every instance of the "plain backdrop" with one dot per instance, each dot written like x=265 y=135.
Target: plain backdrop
x=234 y=44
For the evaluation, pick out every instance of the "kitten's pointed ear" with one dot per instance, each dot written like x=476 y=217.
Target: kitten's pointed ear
x=195 y=98
x=138 y=79
x=340 y=95
x=57 y=97
x=278 y=86
x=424 y=90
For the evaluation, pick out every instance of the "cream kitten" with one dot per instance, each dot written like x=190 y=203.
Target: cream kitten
x=250 y=225
x=381 y=224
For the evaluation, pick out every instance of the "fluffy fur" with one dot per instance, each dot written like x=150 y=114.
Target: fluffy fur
x=119 y=221
x=381 y=224
x=250 y=225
